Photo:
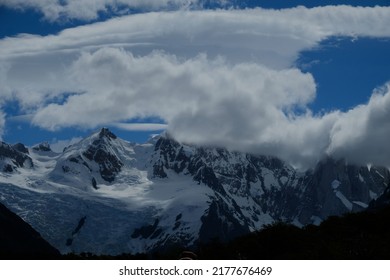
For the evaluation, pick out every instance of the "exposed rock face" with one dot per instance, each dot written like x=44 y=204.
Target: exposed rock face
x=100 y=151
x=382 y=201
x=12 y=158
x=95 y=157
x=43 y=147
x=273 y=187
x=336 y=187
x=219 y=223
x=105 y=132
x=145 y=197
x=21 y=148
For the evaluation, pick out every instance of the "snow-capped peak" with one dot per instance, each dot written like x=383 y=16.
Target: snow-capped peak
x=42 y=147
x=106 y=195
x=13 y=157
x=97 y=159
x=105 y=132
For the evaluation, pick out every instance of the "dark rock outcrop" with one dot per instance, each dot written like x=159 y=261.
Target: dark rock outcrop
x=42 y=147
x=12 y=158
x=99 y=151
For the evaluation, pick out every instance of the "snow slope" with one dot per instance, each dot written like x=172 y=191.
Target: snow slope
x=109 y=196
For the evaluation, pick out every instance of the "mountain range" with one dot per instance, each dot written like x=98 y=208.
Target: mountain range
x=105 y=195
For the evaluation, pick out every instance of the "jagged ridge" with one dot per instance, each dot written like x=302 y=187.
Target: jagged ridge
x=141 y=197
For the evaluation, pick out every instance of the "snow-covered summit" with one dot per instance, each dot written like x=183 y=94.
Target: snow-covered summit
x=105 y=132
x=13 y=157
x=96 y=159
x=106 y=195
x=42 y=147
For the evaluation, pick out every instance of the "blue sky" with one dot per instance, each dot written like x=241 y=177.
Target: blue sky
x=243 y=78
x=346 y=70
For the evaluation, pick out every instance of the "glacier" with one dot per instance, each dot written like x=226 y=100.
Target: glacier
x=105 y=195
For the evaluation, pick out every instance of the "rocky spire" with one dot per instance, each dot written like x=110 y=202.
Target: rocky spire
x=105 y=132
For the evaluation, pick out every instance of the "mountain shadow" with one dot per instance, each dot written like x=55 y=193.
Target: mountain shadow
x=18 y=240
x=355 y=236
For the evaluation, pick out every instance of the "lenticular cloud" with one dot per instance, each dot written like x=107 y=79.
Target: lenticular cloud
x=245 y=107
x=87 y=10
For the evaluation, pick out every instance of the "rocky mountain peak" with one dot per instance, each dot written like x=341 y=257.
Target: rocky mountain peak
x=105 y=132
x=21 y=148
x=98 y=154
x=11 y=158
x=212 y=192
x=42 y=147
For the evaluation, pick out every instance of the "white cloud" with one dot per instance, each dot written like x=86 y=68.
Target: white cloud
x=203 y=101
x=59 y=145
x=215 y=77
x=116 y=85
x=269 y=37
x=5 y=95
x=140 y=126
x=54 y=10
x=2 y=124
x=363 y=132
